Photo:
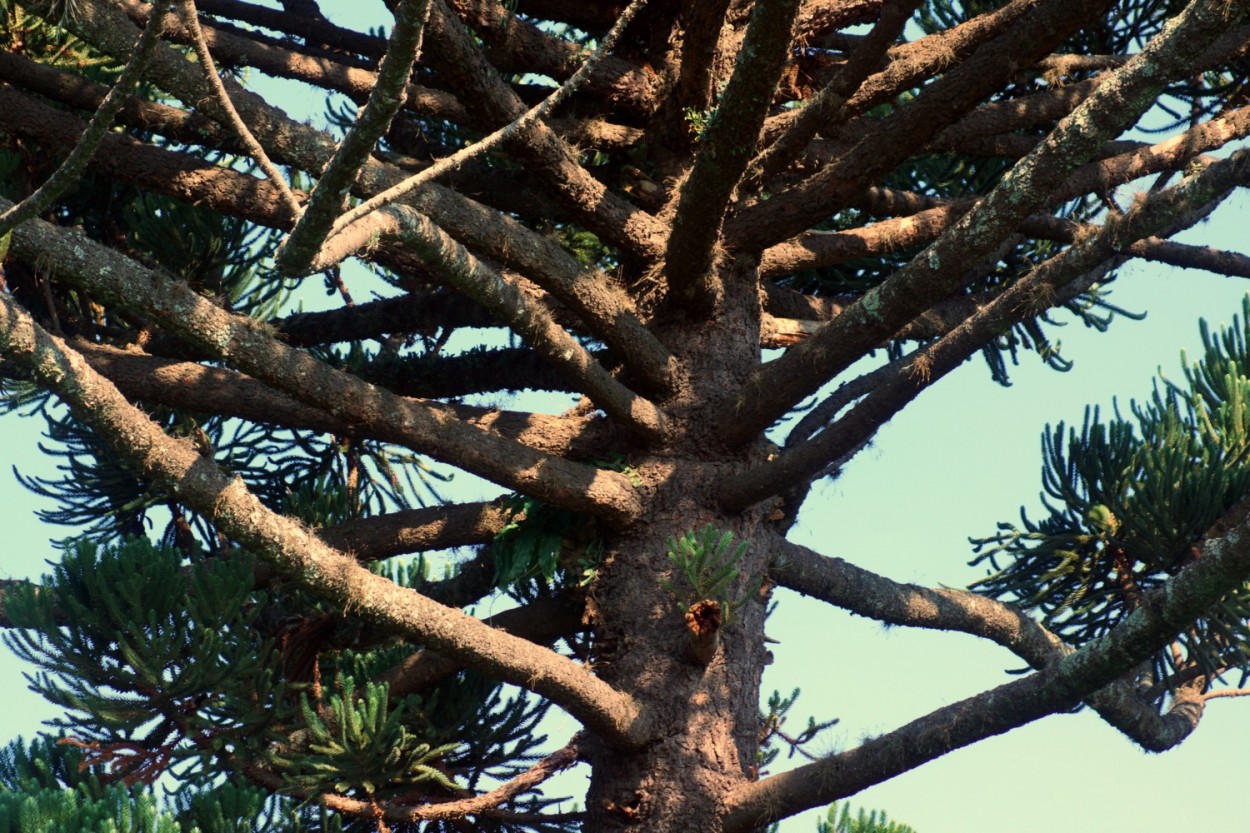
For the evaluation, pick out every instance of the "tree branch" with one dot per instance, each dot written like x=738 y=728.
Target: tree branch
x=287 y=546
x=478 y=805
x=614 y=219
x=829 y=108
x=1223 y=565
x=416 y=530
x=328 y=197
x=862 y=592
x=425 y=428
x=227 y=113
x=528 y=319
x=543 y=622
x=1184 y=203
x=941 y=269
x=724 y=150
x=202 y=389
x=485 y=231
x=876 y=147
x=68 y=172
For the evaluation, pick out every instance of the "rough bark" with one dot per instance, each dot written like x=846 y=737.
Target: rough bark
x=673 y=212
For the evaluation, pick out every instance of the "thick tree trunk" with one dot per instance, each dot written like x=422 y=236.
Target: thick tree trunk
x=708 y=720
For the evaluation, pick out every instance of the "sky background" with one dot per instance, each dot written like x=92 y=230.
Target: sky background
x=964 y=456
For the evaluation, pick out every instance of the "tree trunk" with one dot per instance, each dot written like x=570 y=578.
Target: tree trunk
x=708 y=714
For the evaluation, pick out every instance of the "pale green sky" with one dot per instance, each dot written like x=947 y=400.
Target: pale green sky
x=962 y=457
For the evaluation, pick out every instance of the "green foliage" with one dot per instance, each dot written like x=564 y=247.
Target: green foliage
x=163 y=667
x=46 y=787
x=697 y=119
x=47 y=764
x=839 y=820
x=117 y=811
x=540 y=544
x=1128 y=502
x=706 y=565
x=355 y=741
x=531 y=541
x=874 y=822
x=223 y=257
x=146 y=655
x=773 y=734
x=585 y=246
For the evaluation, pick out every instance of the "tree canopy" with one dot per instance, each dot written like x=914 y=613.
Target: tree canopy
x=650 y=269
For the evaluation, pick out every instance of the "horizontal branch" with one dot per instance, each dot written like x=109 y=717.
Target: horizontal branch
x=415 y=312
x=865 y=593
x=530 y=320
x=286 y=545
x=1223 y=565
x=416 y=530
x=246 y=344
x=542 y=622
x=198 y=388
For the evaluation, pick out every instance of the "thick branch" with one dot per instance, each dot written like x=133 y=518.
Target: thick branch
x=203 y=389
x=1223 y=565
x=416 y=530
x=543 y=622
x=426 y=428
x=724 y=150
x=701 y=24
x=611 y=217
x=527 y=318
x=829 y=108
x=865 y=593
x=287 y=546
x=327 y=199
x=942 y=268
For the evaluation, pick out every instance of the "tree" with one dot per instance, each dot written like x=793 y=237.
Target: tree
x=879 y=190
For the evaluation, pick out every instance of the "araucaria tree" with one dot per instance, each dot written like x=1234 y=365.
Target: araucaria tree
x=729 y=240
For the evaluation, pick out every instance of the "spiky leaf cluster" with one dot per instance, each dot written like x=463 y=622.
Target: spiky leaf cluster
x=706 y=565
x=838 y=819
x=162 y=664
x=46 y=787
x=154 y=662
x=353 y=740
x=1128 y=501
